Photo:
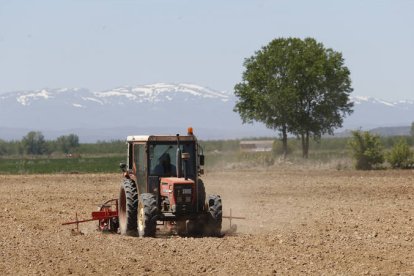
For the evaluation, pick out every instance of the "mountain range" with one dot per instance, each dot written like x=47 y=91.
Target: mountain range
x=161 y=108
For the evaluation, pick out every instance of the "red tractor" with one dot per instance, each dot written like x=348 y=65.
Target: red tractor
x=162 y=185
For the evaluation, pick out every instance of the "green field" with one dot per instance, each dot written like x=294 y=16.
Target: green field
x=44 y=165
x=104 y=157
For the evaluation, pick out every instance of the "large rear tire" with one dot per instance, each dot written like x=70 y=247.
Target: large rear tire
x=215 y=209
x=127 y=208
x=147 y=212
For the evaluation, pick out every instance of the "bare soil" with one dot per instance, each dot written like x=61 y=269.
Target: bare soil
x=299 y=221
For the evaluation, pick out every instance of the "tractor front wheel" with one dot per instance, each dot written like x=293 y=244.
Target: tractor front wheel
x=147 y=212
x=127 y=208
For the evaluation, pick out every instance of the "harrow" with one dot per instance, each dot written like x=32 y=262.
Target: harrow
x=107 y=217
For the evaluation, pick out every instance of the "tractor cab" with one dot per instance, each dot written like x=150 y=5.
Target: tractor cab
x=151 y=158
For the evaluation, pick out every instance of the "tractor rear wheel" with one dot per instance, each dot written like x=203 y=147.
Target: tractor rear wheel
x=147 y=212
x=215 y=209
x=127 y=208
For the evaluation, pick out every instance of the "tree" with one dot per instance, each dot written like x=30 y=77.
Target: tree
x=34 y=143
x=366 y=149
x=412 y=129
x=3 y=147
x=295 y=86
x=400 y=155
x=67 y=143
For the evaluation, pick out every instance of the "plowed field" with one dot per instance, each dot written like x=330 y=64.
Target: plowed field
x=299 y=221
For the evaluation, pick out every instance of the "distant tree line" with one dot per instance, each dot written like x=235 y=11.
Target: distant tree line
x=368 y=150
x=34 y=143
x=337 y=143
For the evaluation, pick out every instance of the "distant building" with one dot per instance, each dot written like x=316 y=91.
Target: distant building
x=256 y=145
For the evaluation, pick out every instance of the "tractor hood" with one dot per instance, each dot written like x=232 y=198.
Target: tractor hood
x=167 y=185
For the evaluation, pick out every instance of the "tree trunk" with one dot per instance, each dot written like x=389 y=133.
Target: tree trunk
x=305 y=144
x=284 y=141
x=302 y=138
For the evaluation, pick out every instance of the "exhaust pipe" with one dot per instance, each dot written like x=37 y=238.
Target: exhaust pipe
x=178 y=158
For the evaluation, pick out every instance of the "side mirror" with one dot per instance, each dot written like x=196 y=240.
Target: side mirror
x=123 y=167
x=178 y=164
x=201 y=160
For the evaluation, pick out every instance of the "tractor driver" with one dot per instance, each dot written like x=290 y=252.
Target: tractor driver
x=165 y=168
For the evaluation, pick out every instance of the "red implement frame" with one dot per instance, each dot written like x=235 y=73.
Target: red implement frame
x=107 y=218
x=104 y=216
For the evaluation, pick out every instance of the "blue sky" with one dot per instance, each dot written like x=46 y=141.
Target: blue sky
x=109 y=43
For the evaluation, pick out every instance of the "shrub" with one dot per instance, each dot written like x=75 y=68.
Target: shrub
x=400 y=155
x=366 y=149
x=277 y=148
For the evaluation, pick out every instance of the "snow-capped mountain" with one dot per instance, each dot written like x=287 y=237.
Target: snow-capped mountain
x=160 y=92
x=152 y=93
x=158 y=108
x=146 y=109
x=371 y=113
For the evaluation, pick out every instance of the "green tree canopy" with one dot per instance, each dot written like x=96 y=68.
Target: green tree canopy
x=34 y=143
x=412 y=129
x=3 y=147
x=295 y=86
x=67 y=143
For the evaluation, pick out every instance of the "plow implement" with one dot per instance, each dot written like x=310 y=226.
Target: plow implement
x=233 y=227
x=107 y=217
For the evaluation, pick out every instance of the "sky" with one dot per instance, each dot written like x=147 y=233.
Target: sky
x=104 y=44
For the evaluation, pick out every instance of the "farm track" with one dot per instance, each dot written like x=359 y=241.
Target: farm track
x=299 y=221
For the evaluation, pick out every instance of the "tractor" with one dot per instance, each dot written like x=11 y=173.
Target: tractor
x=162 y=186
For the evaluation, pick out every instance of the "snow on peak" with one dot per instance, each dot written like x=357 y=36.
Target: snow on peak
x=25 y=98
x=359 y=99
x=158 y=92
x=92 y=100
x=385 y=102
x=362 y=99
x=152 y=93
x=409 y=102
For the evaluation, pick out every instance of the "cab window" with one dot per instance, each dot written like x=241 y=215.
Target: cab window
x=140 y=167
